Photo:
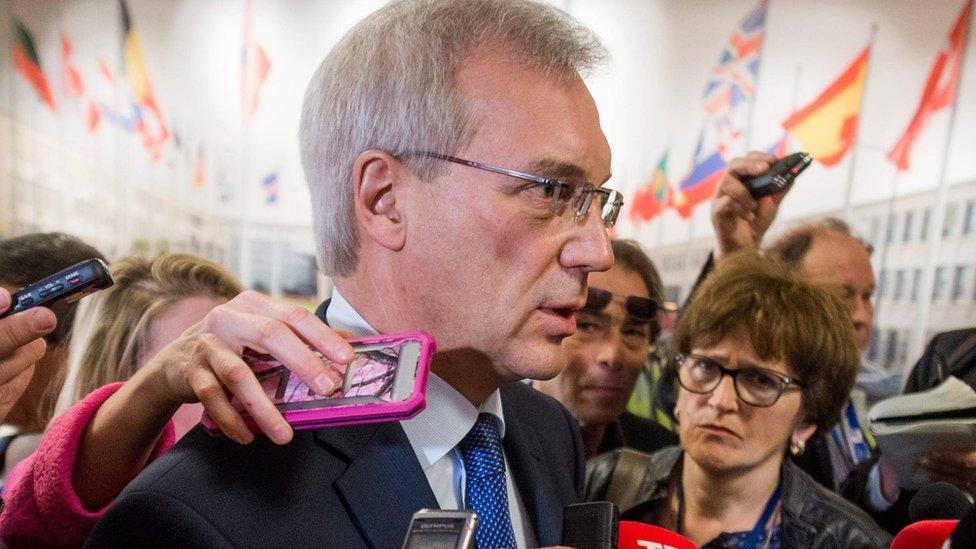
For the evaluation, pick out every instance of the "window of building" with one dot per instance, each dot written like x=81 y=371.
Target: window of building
x=891 y=228
x=882 y=284
x=969 y=218
x=916 y=282
x=875 y=228
x=908 y=226
x=949 y=222
x=891 y=347
x=959 y=281
x=899 y=285
x=874 y=345
x=940 y=285
x=926 y=221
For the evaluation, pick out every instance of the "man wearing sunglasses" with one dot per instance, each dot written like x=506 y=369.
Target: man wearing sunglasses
x=615 y=331
x=456 y=168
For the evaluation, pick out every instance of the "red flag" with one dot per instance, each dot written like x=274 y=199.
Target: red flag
x=27 y=63
x=74 y=85
x=655 y=197
x=255 y=66
x=939 y=91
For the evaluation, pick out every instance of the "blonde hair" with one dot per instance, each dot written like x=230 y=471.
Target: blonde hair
x=112 y=328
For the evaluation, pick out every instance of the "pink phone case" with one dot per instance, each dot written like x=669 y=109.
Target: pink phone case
x=372 y=380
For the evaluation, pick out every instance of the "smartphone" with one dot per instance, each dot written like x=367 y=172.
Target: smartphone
x=386 y=381
x=591 y=525
x=441 y=529
x=64 y=286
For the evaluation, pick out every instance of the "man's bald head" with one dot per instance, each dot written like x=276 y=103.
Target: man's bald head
x=829 y=254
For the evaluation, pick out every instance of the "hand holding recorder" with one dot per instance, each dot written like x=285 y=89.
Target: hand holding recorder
x=747 y=200
x=21 y=345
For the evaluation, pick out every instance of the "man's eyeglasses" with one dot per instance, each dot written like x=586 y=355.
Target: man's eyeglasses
x=755 y=386
x=640 y=308
x=558 y=193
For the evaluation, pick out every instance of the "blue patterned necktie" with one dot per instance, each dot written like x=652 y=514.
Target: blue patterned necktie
x=484 y=483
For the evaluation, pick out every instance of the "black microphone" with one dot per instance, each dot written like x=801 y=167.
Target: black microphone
x=965 y=533
x=590 y=525
x=939 y=501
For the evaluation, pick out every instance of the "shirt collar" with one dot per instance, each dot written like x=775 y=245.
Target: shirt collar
x=342 y=316
x=448 y=417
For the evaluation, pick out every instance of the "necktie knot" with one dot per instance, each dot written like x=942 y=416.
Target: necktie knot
x=481 y=448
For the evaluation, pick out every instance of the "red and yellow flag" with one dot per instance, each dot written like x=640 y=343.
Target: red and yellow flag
x=826 y=128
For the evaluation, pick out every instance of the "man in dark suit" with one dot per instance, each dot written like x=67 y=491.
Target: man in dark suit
x=454 y=159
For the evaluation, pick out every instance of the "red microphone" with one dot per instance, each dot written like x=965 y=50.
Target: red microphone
x=637 y=535
x=926 y=534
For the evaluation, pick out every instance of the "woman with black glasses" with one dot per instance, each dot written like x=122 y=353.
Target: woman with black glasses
x=765 y=360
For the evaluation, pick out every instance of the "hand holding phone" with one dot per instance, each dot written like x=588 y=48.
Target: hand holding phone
x=385 y=381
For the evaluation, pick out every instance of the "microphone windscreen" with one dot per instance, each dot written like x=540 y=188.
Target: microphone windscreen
x=590 y=525
x=965 y=533
x=637 y=535
x=928 y=534
x=939 y=501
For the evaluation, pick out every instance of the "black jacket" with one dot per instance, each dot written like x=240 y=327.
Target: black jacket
x=348 y=487
x=812 y=516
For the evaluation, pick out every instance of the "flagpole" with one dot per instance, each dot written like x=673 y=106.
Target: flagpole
x=747 y=131
x=8 y=198
x=885 y=245
x=857 y=135
x=917 y=341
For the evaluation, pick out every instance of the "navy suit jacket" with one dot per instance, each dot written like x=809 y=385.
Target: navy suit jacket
x=352 y=486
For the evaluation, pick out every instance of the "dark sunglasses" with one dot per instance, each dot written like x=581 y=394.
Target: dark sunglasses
x=641 y=308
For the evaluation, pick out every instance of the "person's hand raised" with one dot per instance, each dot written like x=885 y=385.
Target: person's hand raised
x=21 y=345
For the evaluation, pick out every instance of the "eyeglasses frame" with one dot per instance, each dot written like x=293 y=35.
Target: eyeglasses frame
x=786 y=381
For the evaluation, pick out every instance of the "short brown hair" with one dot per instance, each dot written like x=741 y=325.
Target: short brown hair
x=113 y=327
x=787 y=319
x=629 y=255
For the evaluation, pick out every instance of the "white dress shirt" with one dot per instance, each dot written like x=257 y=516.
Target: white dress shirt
x=436 y=431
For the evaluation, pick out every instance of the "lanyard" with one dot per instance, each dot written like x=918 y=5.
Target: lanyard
x=756 y=535
x=849 y=435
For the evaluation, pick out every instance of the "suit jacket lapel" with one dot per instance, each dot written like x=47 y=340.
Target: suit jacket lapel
x=529 y=474
x=383 y=484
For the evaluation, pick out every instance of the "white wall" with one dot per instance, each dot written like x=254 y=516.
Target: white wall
x=649 y=97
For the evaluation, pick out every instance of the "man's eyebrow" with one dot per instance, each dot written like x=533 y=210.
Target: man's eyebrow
x=556 y=169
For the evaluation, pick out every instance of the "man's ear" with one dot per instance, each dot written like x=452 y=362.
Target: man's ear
x=377 y=178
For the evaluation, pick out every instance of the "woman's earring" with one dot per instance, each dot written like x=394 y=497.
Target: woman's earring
x=797 y=447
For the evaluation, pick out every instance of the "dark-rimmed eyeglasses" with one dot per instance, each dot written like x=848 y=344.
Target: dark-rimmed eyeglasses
x=560 y=194
x=755 y=386
x=640 y=308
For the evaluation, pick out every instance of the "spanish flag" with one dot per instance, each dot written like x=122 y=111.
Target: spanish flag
x=826 y=128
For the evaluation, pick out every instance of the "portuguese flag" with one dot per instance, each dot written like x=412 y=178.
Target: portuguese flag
x=27 y=63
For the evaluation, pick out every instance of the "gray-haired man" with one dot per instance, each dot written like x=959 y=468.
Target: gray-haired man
x=455 y=161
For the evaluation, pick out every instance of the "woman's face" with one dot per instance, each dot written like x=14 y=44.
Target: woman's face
x=164 y=330
x=722 y=433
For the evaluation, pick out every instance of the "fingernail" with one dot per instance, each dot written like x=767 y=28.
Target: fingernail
x=323 y=384
x=279 y=433
x=346 y=354
x=42 y=320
